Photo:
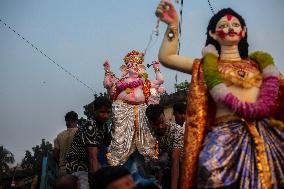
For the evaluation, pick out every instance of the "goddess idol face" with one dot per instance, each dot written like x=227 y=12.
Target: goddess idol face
x=228 y=31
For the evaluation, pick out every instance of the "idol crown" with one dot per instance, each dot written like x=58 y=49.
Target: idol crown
x=134 y=57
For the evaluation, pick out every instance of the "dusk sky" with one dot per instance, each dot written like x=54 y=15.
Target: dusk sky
x=80 y=35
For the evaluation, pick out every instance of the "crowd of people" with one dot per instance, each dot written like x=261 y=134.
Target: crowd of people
x=228 y=135
x=81 y=155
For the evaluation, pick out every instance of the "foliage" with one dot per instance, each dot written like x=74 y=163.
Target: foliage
x=182 y=86
x=179 y=96
x=28 y=161
x=82 y=121
x=33 y=161
x=164 y=95
x=6 y=157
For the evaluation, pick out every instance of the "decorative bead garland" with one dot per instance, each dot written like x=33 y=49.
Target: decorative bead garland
x=121 y=85
x=268 y=91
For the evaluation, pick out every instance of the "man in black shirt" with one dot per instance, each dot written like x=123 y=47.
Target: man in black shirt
x=170 y=140
x=82 y=156
x=179 y=109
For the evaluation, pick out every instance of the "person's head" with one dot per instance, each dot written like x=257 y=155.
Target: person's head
x=67 y=182
x=148 y=186
x=102 y=109
x=112 y=177
x=227 y=27
x=179 y=111
x=71 y=119
x=156 y=116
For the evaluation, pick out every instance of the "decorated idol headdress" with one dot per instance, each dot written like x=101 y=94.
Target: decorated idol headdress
x=134 y=57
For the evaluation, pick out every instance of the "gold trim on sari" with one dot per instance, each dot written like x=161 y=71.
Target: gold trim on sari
x=196 y=121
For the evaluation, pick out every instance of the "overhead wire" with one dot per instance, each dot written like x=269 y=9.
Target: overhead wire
x=180 y=25
x=48 y=57
x=211 y=8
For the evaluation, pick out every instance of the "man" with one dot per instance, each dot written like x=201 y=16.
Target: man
x=179 y=113
x=170 y=140
x=67 y=182
x=63 y=140
x=112 y=177
x=88 y=140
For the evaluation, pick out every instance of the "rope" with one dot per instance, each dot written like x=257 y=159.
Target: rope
x=155 y=32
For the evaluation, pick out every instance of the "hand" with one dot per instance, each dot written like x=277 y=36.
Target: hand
x=167 y=13
x=106 y=66
x=161 y=90
x=156 y=65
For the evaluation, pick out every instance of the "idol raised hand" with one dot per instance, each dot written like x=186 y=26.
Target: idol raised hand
x=166 y=12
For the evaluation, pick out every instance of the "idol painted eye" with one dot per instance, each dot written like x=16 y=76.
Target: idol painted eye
x=236 y=24
x=222 y=26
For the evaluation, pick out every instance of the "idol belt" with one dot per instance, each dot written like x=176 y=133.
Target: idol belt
x=226 y=119
x=129 y=102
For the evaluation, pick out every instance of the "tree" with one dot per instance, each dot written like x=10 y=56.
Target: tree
x=6 y=157
x=28 y=161
x=34 y=161
x=182 y=86
x=82 y=121
x=39 y=152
